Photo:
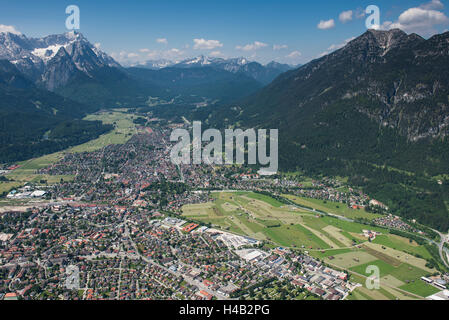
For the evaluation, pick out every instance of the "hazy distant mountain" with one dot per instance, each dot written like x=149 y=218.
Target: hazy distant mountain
x=156 y=64
x=71 y=66
x=208 y=82
x=382 y=100
x=261 y=73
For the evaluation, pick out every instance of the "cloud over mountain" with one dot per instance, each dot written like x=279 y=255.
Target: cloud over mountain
x=203 y=44
x=346 y=16
x=422 y=20
x=10 y=29
x=325 y=25
x=162 y=40
x=252 y=46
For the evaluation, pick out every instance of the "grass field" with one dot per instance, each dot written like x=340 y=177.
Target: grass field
x=420 y=288
x=398 y=255
x=404 y=276
x=124 y=129
x=258 y=216
x=402 y=244
x=352 y=259
x=8 y=186
x=337 y=234
x=388 y=293
x=332 y=207
x=363 y=293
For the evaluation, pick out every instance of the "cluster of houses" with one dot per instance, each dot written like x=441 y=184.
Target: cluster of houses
x=395 y=222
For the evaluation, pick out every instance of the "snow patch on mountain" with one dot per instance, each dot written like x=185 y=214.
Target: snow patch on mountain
x=46 y=54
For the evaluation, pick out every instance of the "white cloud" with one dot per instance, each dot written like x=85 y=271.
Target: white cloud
x=336 y=47
x=119 y=56
x=345 y=16
x=280 y=46
x=10 y=29
x=325 y=25
x=175 y=51
x=433 y=5
x=162 y=40
x=216 y=54
x=252 y=46
x=203 y=44
x=422 y=20
x=294 y=55
x=97 y=45
x=360 y=13
x=132 y=58
x=152 y=55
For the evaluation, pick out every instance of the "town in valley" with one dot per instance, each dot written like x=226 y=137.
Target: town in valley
x=137 y=226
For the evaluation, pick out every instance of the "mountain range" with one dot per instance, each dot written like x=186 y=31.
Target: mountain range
x=60 y=78
x=261 y=73
x=68 y=64
x=53 y=60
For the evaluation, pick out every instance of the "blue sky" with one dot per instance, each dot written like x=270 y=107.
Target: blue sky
x=264 y=30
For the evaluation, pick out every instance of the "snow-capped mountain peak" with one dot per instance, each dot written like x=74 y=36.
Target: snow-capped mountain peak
x=36 y=57
x=197 y=61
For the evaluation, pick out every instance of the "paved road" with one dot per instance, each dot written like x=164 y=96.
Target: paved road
x=441 y=247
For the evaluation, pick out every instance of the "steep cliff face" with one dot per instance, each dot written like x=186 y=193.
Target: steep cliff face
x=59 y=71
x=53 y=60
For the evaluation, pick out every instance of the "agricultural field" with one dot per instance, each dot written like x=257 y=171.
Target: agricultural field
x=339 y=243
x=257 y=216
x=402 y=244
x=398 y=270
